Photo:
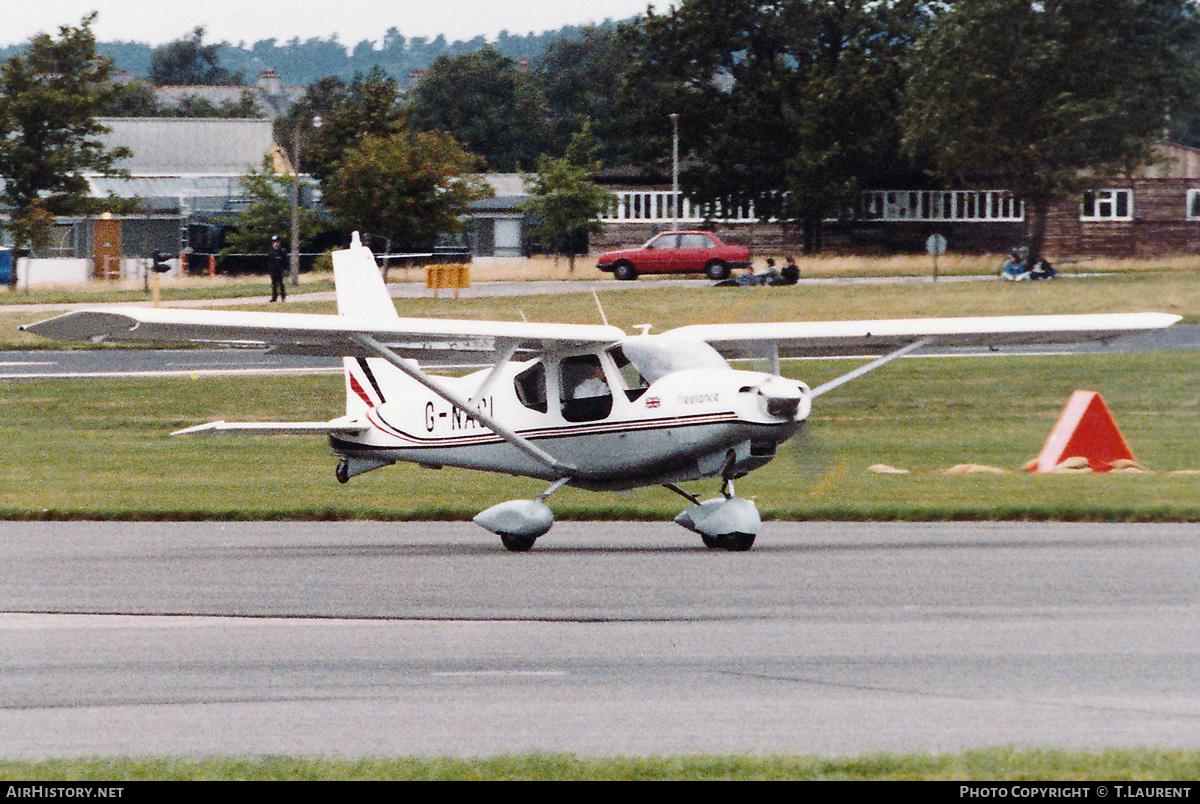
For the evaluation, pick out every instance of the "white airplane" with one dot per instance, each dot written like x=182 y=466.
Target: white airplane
x=580 y=405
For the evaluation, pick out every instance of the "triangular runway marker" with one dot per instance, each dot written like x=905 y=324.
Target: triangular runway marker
x=1084 y=430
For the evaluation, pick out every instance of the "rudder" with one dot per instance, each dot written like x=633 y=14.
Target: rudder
x=358 y=282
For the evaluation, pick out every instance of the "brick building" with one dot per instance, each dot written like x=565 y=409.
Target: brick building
x=1153 y=213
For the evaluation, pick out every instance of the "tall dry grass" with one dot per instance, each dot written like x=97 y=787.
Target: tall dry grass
x=499 y=269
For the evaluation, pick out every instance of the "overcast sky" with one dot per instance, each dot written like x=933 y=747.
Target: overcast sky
x=155 y=21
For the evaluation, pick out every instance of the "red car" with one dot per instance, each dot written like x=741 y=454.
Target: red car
x=676 y=252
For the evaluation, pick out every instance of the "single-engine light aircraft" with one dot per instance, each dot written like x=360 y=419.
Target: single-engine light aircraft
x=583 y=405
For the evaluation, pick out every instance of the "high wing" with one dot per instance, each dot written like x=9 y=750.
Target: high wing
x=843 y=338
x=897 y=337
x=429 y=340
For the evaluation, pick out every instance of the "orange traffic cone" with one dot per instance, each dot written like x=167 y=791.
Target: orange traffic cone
x=1085 y=430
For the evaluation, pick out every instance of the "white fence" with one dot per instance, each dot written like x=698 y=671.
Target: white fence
x=952 y=206
x=42 y=272
x=654 y=206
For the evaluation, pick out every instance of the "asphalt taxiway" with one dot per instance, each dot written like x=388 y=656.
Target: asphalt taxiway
x=359 y=638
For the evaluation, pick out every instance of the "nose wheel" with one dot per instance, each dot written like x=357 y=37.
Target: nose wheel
x=727 y=522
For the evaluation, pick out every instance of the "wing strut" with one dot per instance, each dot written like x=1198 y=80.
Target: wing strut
x=504 y=353
x=874 y=364
x=525 y=445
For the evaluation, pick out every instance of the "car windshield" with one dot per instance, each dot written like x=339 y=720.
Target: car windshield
x=656 y=356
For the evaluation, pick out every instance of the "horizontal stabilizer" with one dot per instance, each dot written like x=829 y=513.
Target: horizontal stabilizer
x=338 y=426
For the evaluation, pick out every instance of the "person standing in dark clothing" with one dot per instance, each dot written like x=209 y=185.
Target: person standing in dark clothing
x=277 y=259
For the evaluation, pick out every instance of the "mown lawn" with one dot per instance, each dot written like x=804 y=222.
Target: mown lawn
x=102 y=449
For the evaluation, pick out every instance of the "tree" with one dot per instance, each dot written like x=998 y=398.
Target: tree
x=350 y=112
x=408 y=187
x=1044 y=96
x=270 y=213
x=49 y=137
x=190 y=62
x=576 y=77
x=566 y=203
x=485 y=103
x=789 y=104
x=131 y=99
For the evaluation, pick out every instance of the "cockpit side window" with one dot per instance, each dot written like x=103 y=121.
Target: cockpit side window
x=531 y=387
x=583 y=390
x=635 y=383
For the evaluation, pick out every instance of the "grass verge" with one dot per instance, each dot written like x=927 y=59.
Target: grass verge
x=995 y=764
x=101 y=450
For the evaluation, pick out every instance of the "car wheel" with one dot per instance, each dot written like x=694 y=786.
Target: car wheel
x=716 y=270
x=625 y=271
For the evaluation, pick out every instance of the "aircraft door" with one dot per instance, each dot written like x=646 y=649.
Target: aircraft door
x=583 y=392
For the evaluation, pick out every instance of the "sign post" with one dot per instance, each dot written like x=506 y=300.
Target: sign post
x=936 y=246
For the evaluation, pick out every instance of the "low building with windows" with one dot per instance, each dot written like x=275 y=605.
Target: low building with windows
x=1154 y=212
x=185 y=183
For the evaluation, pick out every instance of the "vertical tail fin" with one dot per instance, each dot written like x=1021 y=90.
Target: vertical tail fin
x=361 y=291
x=361 y=294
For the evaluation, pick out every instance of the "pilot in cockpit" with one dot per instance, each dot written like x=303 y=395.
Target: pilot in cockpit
x=589 y=381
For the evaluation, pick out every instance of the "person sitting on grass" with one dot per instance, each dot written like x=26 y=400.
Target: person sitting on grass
x=1015 y=270
x=1042 y=269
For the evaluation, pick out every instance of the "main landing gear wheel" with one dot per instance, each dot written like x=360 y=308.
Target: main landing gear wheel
x=733 y=542
x=519 y=523
x=517 y=544
x=342 y=472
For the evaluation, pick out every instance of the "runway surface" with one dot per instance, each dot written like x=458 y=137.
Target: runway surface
x=609 y=638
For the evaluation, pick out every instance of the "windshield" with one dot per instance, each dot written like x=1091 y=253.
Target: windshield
x=656 y=356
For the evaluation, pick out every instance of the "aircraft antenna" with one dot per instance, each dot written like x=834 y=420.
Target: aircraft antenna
x=600 y=306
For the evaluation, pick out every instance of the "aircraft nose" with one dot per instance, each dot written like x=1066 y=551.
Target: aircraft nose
x=783 y=407
x=781 y=399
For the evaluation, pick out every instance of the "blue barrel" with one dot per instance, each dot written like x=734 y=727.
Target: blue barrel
x=6 y=266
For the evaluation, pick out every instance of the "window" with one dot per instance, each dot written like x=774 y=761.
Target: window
x=960 y=206
x=635 y=383
x=1107 y=205
x=664 y=241
x=694 y=241
x=531 y=387
x=1193 y=205
x=583 y=392
x=656 y=356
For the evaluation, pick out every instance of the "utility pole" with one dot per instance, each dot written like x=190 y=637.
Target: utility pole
x=675 y=212
x=294 y=251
